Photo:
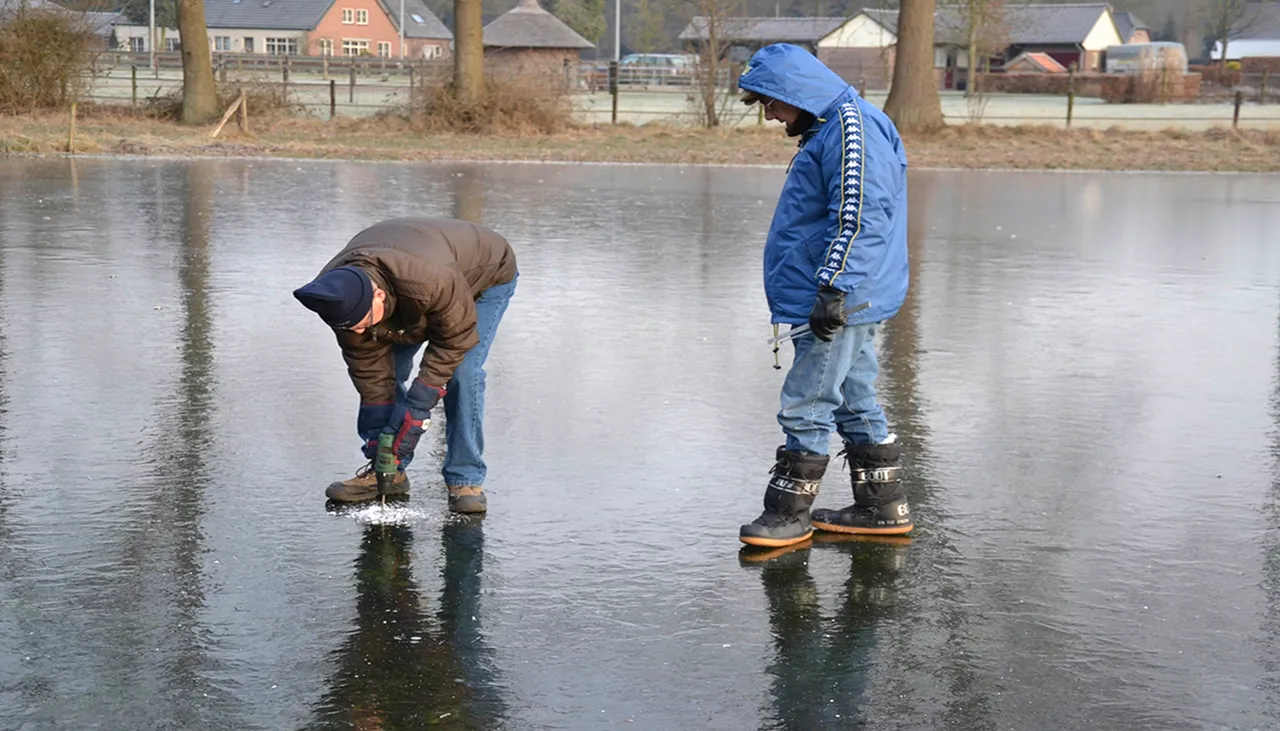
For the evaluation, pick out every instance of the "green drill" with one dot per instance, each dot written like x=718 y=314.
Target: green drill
x=384 y=466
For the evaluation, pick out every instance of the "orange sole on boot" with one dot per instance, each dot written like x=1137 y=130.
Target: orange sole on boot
x=774 y=542
x=835 y=539
x=896 y=530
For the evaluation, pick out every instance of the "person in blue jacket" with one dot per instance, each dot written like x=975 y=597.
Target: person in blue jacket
x=838 y=240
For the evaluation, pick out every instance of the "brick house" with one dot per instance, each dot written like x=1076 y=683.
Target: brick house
x=311 y=28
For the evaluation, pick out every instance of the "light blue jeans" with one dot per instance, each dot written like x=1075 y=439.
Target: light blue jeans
x=464 y=394
x=831 y=387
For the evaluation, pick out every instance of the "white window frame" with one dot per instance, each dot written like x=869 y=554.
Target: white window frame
x=222 y=43
x=359 y=45
x=432 y=51
x=362 y=17
x=348 y=16
x=326 y=47
x=280 y=46
x=384 y=49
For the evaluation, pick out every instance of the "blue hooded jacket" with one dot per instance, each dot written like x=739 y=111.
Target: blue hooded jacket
x=841 y=219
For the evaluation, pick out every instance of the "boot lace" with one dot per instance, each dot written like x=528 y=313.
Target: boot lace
x=364 y=471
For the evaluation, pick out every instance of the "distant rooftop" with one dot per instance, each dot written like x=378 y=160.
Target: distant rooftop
x=527 y=25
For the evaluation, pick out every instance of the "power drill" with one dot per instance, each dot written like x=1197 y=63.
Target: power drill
x=384 y=465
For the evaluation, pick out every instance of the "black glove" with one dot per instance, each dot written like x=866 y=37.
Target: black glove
x=369 y=423
x=827 y=316
x=409 y=419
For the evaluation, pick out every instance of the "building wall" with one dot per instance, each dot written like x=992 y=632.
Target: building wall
x=235 y=37
x=868 y=69
x=537 y=65
x=1140 y=36
x=1104 y=34
x=859 y=32
x=375 y=29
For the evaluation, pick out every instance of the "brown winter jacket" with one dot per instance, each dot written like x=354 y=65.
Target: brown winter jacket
x=432 y=270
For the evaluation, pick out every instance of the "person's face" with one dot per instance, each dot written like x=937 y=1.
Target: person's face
x=376 y=311
x=780 y=111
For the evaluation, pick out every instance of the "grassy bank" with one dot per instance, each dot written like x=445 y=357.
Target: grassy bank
x=106 y=132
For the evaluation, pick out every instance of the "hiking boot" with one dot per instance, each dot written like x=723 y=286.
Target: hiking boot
x=879 y=500
x=787 y=499
x=467 y=499
x=364 y=486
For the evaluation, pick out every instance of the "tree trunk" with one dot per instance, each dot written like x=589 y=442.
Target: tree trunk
x=913 y=102
x=199 y=93
x=468 y=57
x=971 y=74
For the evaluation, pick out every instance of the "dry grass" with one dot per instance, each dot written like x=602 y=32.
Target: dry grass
x=114 y=131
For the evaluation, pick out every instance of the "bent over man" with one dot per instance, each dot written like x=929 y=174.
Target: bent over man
x=838 y=240
x=395 y=286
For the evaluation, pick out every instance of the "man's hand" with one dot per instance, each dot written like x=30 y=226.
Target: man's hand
x=409 y=419
x=370 y=421
x=827 y=316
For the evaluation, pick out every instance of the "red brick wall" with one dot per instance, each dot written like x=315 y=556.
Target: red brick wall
x=536 y=65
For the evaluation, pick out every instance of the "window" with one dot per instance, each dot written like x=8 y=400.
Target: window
x=172 y=44
x=433 y=52
x=137 y=44
x=282 y=46
x=417 y=18
x=248 y=44
x=222 y=43
x=348 y=16
x=384 y=49
x=326 y=46
x=354 y=48
x=362 y=17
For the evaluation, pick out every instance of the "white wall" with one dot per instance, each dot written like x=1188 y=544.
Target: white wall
x=859 y=32
x=1104 y=34
x=237 y=36
x=1237 y=50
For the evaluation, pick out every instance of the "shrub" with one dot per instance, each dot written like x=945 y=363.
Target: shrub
x=44 y=58
x=511 y=106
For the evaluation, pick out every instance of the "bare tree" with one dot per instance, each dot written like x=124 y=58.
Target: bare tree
x=1225 y=20
x=468 y=55
x=985 y=33
x=913 y=101
x=716 y=20
x=199 y=92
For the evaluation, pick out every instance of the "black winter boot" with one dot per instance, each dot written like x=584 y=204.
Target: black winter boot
x=787 y=500
x=879 y=500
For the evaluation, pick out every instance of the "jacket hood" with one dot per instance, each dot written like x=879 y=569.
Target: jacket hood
x=793 y=75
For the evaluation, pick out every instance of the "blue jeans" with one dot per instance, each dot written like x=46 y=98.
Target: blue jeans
x=464 y=394
x=831 y=387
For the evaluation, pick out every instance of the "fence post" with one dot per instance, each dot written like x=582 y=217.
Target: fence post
x=333 y=97
x=71 y=131
x=133 y=77
x=324 y=66
x=411 y=69
x=351 y=92
x=1071 y=93
x=1235 y=119
x=1262 y=88
x=568 y=86
x=613 y=89
x=284 y=73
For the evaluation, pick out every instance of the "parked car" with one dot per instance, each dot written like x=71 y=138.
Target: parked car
x=655 y=69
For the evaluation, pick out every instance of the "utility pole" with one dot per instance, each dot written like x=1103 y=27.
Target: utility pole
x=401 y=28
x=617 y=30
x=151 y=41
